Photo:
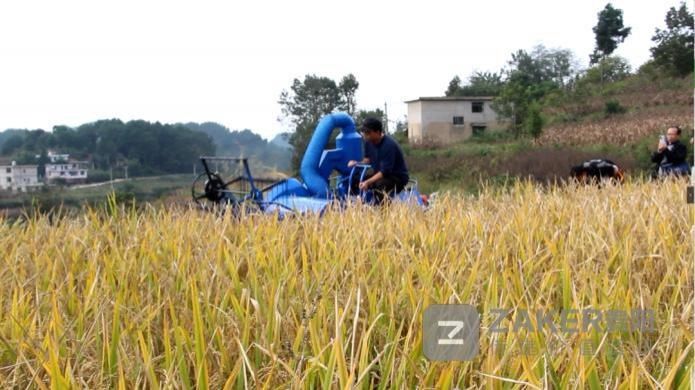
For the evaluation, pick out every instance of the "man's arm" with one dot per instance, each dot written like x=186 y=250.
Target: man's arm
x=373 y=179
x=659 y=154
x=352 y=163
x=657 y=157
x=676 y=154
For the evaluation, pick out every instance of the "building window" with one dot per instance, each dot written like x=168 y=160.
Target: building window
x=478 y=129
x=477 y=106
x=458 y=121
x=8 y=170
x=9 y=180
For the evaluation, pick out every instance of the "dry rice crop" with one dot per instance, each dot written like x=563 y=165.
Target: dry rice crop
x=178 y=298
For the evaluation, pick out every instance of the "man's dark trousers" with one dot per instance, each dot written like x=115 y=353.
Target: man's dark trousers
x=382 y=188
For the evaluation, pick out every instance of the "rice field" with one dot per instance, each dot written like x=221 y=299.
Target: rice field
x=175 y=298
x=625 y=129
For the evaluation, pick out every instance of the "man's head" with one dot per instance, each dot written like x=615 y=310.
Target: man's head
x=372 y=130
x=672 y=134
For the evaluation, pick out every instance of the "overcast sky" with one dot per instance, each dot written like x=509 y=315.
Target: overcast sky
x=71 y=62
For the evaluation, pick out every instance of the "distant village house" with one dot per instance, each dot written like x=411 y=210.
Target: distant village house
x=14 y=177
x=450 y=119
x=62 y=169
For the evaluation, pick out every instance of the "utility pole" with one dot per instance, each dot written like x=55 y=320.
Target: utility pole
x=386 y=118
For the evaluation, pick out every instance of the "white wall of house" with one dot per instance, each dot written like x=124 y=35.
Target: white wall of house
x=415 y=120
x=19 y=177
x=6 y=177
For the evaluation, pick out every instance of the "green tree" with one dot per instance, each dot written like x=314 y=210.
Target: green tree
x=9 y=133
x=560 y=64
x=529 y=78
x=12 y=144
x=152 y=147
x=479 y=84
x=534 y=121
x=609 y=32
x=244 y=143
x=674 y=45
x=42 y=161
x=348 y=88
x=609 y=69
x=401 y=133
x=454 y=87
x=361 y=115
x=307 y=101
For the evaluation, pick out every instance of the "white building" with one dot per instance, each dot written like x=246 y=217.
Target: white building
x=15 y=177
x=450 y=119
x=71 y=172
x=61 y=168
x=55 y=158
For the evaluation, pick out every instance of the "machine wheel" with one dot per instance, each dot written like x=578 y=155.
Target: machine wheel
x=212 y=191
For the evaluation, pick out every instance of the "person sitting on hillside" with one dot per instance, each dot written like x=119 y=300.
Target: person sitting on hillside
x=670 y=156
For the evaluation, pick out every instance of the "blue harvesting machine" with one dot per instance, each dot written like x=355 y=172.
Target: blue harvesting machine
x=319 y=186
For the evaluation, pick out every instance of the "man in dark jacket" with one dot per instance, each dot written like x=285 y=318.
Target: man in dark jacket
x=390 y=174
x=671 y=154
